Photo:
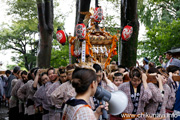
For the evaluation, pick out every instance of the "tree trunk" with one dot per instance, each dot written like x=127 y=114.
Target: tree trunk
x=129 y=16
x=26 y=62
x=45 y=16
x=77 y=14
x=84 y=7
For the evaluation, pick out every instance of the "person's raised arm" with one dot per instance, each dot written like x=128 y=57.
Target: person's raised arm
x=137 y=63
x=159 y=79
x=109 y=83
x=144 y=80
x=106 y=79
x=36 y=79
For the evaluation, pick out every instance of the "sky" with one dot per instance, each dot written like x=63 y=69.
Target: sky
x=69 y=23
x=5 y=55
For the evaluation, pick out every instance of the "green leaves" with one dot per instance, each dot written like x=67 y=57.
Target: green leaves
x=19 y=37
x=22 y=9
x=160 y=38
x=161 y=18
x=22 y=36
x=59 y=54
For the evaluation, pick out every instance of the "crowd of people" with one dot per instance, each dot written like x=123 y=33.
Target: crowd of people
x=67 y=93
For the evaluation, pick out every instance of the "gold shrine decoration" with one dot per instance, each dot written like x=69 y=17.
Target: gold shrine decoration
x=88 y=46
x=100 y=45
x=112 y=51
x=89 y=50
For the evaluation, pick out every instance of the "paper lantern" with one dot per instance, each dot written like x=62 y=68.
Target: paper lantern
x=61 y=37
x=98 y=14
x=127 y=32
x=81 y=31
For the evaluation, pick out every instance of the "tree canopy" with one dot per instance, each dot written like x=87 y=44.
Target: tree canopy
x=22 y=35
x=162 y=21
x=20 y=38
